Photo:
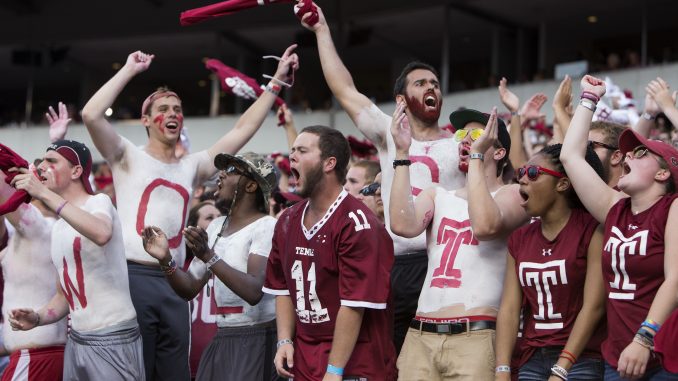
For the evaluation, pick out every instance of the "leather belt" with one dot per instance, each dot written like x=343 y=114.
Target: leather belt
x=452 y=328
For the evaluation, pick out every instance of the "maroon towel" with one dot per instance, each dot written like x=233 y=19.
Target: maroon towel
x=305 y=6
x=196 y=15
x=9 y=159
x=361 y=148
x=238 y=84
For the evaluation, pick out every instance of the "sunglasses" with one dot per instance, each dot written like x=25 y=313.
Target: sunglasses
x=370 y=190
x=533 y=172
x=639 y=152
x=461 y=134
x=603 y=145
x=233 y=170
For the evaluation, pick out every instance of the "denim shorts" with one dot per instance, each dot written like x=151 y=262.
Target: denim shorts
x=656 y=374
x=538 y=367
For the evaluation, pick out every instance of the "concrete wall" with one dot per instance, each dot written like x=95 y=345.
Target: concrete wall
x=203 y=132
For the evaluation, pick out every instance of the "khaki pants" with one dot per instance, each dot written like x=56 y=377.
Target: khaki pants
x=436 y=357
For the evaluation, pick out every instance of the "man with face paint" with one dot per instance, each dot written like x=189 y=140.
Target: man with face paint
x=154 y=187
x=434 y=154
x=104 y=342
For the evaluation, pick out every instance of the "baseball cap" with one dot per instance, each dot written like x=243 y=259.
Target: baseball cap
x=255 y=165
x=629 y=140
x=77 y=154
x=461 y=118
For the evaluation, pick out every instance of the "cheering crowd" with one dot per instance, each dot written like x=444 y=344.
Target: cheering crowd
x=471 y=251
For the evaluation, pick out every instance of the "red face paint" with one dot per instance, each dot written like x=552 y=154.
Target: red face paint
x=420 y=111
x=55 y=175
x=159 y=120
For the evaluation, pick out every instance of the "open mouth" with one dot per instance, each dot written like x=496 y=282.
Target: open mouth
x=172 y=125
x=626 y=169
x=525 y=196
x=295 y=173
x=430 y=101
x=464 y=151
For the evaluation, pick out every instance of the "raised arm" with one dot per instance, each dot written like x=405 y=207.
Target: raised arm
x=661 y=94
x=185 y=284
x=491 y=217
x=107 y=141
x=512 y=103
x=96 y=227
x=255 y=115
x=290 y=128
x=407 y=217
x=340 y=81
x=58 y=123
x=562 y=101
x=593 y=192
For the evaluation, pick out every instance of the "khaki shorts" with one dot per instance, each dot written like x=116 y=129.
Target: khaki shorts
x=436 y=357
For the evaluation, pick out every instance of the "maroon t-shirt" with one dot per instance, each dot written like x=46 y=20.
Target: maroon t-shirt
x=552 y=276
x=345 y=259
x=633 y=270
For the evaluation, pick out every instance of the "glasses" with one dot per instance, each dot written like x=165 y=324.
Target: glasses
x=639 y=152
x=533 y=172
x=370 y=190
x=233 y=170
x=603 y=145
x=461 y=134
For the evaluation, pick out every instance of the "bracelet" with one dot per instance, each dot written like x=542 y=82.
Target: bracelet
x=653 y=325
x=647 y=116
x=568 y=355
x=282 y=342
x=502 y=368
x=335 y=370
x=215 y=258
x=61 y=207
x=642 y=331
x=559 y=372
x=477 y=155
x=590 y=96
x=587 y=103
x=644 y=341
x=170 y=268
x=514 y=113
x=274 y=89
x=407 y=163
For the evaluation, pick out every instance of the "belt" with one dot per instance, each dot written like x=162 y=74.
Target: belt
x=452 y=328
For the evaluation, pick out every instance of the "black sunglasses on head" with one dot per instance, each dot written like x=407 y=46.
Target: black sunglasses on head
x=370 y=190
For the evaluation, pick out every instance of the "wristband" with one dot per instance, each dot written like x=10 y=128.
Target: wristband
x=274 y=89
x=334 y=370
x=514 y=113
x=477 y=155
x=649 y=323
x=215 y=258
x=559 y=372
x=502 y=368
x=61 y=207
x=590 y=96
x=170 y=268
x=406 y=163
x=587 y=103
x=282 y=342
x=647 y=116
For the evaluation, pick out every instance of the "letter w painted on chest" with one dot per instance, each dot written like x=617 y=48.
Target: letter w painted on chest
x=452 y=234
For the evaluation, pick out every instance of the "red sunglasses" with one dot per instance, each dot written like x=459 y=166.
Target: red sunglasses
x=533 y=172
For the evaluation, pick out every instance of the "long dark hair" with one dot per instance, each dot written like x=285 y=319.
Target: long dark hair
x=552 y=153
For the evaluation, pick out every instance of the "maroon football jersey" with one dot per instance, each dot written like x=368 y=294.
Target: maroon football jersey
x=633 y=269
x=552 y=276
x=344 y=259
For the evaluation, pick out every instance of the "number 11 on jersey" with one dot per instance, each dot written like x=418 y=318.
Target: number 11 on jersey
x=317 y=314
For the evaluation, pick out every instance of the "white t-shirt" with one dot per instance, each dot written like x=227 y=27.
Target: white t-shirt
x=93 y=278
x=462 y=271
x=434 y=162
x=235 y=250
x=30 y=279
x=150 y=192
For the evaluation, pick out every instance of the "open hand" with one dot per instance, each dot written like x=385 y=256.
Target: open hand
x=155 y=243
x=532 y=108
x=510 y=100
x=400 y=129
x=489 y=136
x=563 y=96
x=196 y=240
x=661 y=94
x=58 y=124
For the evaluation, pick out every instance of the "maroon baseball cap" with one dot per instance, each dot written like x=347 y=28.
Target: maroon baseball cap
x=629 y=140
x=77 y=154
